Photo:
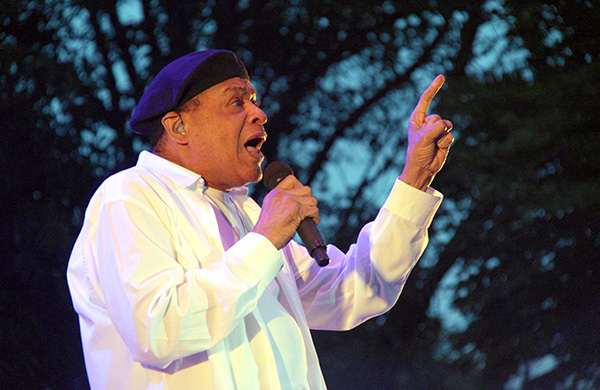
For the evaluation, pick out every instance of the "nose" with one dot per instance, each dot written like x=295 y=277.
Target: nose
x=258 y=116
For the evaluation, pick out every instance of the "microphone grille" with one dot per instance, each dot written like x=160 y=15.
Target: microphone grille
x=276 y=172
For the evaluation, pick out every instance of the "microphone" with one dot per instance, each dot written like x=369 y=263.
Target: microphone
x=307 y=230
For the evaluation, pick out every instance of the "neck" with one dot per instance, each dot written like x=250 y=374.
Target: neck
x=169 y=154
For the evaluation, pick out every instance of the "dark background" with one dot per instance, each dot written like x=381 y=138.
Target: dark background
x=507 y=295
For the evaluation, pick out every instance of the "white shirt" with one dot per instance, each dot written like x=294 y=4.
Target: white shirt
x=165 y=304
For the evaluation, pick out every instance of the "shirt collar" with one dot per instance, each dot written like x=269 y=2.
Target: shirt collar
x=180 y=175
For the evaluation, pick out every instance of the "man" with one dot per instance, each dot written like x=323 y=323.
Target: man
x=181 y=281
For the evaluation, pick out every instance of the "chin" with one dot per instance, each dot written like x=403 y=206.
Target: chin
x=257 y=177
x=252 y=176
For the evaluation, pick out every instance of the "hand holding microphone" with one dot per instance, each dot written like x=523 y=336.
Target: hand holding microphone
x=288 y=208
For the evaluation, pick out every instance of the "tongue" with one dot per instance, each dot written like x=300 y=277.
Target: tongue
x=253 y=150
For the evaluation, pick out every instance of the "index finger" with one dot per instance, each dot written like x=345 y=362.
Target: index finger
x=288 y=183
x=423 y=105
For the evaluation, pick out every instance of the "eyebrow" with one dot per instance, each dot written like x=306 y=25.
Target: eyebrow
x=243 y=90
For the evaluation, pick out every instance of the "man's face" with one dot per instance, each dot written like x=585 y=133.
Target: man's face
x=226 y=133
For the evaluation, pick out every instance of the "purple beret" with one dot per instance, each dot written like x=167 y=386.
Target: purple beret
x=179 y=82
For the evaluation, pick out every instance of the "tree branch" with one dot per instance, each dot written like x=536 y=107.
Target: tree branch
x=343 y=126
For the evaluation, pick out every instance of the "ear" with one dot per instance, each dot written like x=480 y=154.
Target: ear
x=174 y=127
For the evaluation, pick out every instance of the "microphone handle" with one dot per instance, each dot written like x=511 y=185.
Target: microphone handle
x=307 y=230
x=313 y=242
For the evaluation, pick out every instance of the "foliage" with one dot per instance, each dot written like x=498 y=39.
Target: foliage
x=530 y=265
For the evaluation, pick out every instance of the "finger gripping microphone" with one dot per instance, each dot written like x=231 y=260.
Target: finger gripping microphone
x=307 y=230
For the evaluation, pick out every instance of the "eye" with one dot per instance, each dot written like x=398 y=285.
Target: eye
x=257 y=103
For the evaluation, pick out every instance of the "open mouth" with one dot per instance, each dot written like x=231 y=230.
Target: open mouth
x=254 y=144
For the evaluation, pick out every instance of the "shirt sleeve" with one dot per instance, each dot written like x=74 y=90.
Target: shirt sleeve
x=162 y=310
x=368 y=279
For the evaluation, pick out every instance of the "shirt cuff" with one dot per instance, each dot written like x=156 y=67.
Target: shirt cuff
x=413 y=205
x=255 y=259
